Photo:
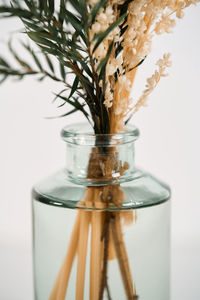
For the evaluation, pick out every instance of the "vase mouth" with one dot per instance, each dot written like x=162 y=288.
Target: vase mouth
x=82 y=134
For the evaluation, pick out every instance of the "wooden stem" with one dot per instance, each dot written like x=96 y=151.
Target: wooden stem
x=60 y=285
x=111 y=249
x=122 y=256
x=95 y=254
x=54 y=292
x=108 y=291
x=82 y=253
x=103 y=283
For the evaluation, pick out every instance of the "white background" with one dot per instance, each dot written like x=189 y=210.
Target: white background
x=169 y=147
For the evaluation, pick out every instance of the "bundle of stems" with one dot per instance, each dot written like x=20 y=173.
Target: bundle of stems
x=107 y=241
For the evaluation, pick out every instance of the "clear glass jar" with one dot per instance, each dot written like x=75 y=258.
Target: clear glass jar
x=101 y=226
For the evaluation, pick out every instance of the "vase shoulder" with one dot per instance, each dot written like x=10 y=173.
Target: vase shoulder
x=142 y=190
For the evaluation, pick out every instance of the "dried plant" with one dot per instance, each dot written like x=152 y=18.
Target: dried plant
x=102 y=43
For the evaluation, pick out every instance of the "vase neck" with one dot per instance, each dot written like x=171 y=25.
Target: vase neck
x=99 y=159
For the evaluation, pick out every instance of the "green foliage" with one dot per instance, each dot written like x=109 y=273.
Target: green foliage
x=64 y=36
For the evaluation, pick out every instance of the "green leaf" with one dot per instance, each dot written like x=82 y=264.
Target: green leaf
x=16 y=72
x=49 y=62
x=62 y=13
x=4 y=71
x=137 y=64
x=64 y=115
x=42 y=78
x=62 y=71
x=4 y=63
x=101 y=36
x=27 y=47
x=57 y=95
x=50 y=31
x=76 y=58
x=35 y=26
x=43 y=5
x=17 y=58
x=52 y=76
x=74 y=103
x=61 y=105
x=49 y=50
x=129 y=118
x=83 y=5
x=51 y=6
x=76 y=5
x=37 y=61
x=15 y=12
x=31 y=5
x=35 y=36
x=46 y=35
x=74 y=86
x=3 y=79
x=75 y=22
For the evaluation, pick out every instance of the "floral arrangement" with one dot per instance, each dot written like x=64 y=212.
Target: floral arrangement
x=102 y=44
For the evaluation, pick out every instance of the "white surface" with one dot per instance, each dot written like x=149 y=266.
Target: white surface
x=169 y=147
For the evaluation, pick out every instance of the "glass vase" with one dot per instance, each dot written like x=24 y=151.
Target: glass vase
x=101 y=226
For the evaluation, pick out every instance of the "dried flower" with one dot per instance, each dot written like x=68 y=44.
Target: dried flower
x=164 y=25
x=145 y=18
x=104 y=73
x=163 y=64
x=179 y=10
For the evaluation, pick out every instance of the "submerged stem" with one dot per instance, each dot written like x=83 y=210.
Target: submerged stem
x=95 y=254
x=82 y=254
x=122 y=256
x=60 y=286
x=105 y=238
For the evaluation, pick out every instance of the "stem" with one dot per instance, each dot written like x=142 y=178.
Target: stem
x=111 y=249
x=108 y=292
x=105 y=255
x=122 y=256
x=82 y=254
x=60 y=287
x=54 y=292
x=106 y=236
x=95 y=255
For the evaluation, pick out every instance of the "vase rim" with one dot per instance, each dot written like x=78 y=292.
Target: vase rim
x=82 y=134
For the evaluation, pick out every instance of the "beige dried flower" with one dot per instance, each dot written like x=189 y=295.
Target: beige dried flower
x=179 y=10
x=165 y=24
x=145 y=19
x=108 y=96
x=163 y=64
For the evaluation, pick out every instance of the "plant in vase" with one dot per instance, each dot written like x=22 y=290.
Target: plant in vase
x=102 y=44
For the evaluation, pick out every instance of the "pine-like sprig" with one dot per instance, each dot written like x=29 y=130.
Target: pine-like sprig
x=64 y=35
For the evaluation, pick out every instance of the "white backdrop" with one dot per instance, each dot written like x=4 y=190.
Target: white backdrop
x=169 y=147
